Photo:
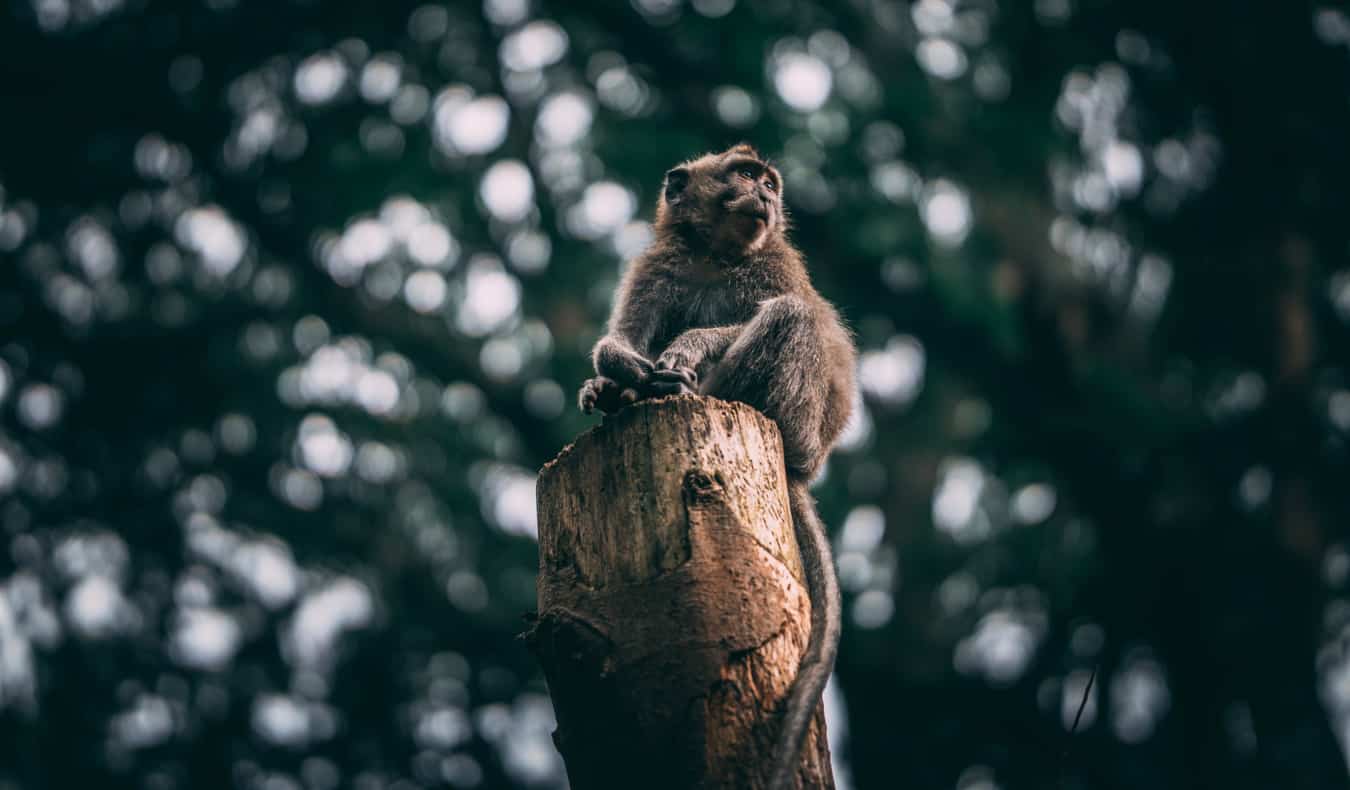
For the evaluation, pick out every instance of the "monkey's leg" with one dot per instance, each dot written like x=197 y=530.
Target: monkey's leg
x=780 y=365
x=777 y=365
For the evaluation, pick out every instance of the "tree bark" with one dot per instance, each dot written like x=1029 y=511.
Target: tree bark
x=672 y=609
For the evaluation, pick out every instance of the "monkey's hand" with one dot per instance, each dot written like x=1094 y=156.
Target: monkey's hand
x=615 y=360
x=607 y=394
x=697 y=347
x=673 y=377
x=677 y=367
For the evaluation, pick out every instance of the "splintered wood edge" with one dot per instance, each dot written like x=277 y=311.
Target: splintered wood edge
x=628 y=414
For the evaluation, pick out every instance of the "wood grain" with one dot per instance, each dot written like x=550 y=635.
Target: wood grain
x=672 y=611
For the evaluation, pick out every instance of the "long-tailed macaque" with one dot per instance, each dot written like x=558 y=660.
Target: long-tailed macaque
x=721 y=304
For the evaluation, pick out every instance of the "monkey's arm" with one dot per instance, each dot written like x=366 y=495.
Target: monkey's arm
x=697 y=348
x=639 y=308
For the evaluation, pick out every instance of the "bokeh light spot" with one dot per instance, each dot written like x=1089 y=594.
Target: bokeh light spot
x=803 y=81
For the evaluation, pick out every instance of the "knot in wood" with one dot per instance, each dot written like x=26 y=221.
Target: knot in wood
x=701 y=486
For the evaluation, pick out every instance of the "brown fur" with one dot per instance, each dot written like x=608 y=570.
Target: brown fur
x=721 y=304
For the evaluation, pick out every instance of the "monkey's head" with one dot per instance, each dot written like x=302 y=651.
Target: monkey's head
x=730 y=202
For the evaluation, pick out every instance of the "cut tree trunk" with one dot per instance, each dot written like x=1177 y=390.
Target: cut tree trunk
x=672 y=609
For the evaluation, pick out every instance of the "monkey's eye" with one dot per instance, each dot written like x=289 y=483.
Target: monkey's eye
x=747 y=172
x=771 y=184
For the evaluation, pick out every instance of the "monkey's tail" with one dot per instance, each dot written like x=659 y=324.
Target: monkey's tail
x=822 y=585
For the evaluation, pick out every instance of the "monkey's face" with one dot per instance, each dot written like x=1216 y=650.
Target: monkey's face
x=730 y=201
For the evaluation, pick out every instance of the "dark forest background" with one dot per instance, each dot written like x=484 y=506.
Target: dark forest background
x=295 y=296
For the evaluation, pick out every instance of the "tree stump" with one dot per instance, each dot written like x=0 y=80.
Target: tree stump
x=672 y=608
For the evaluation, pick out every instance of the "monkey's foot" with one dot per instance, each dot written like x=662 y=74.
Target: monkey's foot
x=606 y=394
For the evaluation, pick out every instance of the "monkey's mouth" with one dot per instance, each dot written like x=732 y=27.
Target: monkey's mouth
x=753 y=210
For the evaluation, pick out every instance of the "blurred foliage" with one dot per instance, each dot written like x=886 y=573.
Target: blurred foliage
x=295 y=295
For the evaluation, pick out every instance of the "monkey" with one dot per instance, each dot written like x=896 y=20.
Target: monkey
x=720 y=304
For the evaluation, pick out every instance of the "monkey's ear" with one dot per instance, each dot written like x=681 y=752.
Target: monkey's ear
x=676 y=181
